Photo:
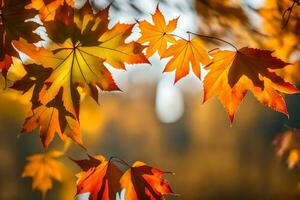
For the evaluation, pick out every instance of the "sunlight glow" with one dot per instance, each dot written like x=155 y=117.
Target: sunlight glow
x=169 y=102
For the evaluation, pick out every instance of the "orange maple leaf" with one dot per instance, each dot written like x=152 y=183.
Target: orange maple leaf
x=184 y=53
x=144 y=182
x=100 y=178
x=13 y=25
x=157 y=34
x=232 y=74
x=43 y=168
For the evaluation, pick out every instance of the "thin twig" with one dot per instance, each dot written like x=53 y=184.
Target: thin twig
x=289 y=11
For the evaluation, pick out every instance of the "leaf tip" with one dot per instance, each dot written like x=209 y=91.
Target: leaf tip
x=176 y=80
x=231 y=119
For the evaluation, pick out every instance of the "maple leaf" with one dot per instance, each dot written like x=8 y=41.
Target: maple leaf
x=232 y=74
x=77 y=55
x=287 y=145
x=144 y=182
x=42 y=168
x=53 y=118
x=13 y=25
x=47 y=8
x=157 y=34
x=184 y=53
x=100 y=178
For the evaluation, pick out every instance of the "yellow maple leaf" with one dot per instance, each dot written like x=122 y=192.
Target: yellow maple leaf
x=184 y=53
x=157 y=34
x=42 y=168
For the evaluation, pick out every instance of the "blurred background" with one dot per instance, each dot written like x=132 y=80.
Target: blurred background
x=166 y=125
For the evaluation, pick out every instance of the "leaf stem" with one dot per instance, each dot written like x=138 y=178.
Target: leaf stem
x=213 y=38
x=203 y=36
x=213 y=50
x=170 y=34
x=119 y=160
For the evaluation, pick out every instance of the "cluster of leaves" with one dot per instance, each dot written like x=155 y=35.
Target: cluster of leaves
x=75 y=62
x=231 y=73
x=72 y=63
x=279 y=29
x=103 y=179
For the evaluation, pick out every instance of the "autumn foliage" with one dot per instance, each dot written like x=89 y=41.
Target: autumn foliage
x=103 y=179
x=43 y=168
x=74 y=62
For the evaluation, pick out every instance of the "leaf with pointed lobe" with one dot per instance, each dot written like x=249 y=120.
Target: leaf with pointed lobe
x=157 y=34
x=144 y=182
x=43 y=169
x=99 y=177
x=232 y=74
x=77 y=55
x=185 y=53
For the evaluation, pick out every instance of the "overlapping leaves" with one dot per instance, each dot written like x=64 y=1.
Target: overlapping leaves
x=183 y=52
x=103 y=179
x=231 y=73
x=14 y=24
x=81 y=46
x=73 y=59
x=47 y=9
